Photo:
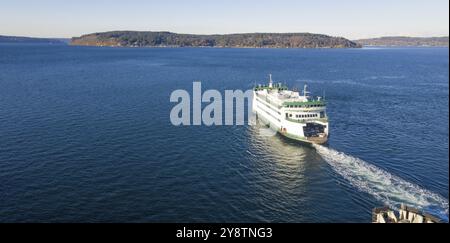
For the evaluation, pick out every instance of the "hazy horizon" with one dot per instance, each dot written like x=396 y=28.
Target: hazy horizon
x=350 y=19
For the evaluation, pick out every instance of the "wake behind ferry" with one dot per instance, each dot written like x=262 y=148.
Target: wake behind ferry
x=293 y=115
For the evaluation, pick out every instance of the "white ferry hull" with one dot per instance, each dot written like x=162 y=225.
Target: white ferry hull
x=277 y=128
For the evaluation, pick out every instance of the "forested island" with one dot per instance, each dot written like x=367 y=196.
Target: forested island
x=255 y=40
x=406 y=41
x=19 y=39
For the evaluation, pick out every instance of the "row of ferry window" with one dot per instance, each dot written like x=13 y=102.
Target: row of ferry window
x=305 y=116
x=305 y=106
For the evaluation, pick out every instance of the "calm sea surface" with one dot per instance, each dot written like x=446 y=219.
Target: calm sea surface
x=85 y=135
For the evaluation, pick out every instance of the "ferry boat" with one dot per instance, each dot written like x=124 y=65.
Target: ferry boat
x=295 y=115
x=406 y=214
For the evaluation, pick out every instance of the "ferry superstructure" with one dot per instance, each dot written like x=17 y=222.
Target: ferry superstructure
x=294 y=115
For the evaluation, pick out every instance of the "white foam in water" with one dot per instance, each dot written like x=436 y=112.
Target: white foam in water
x=385 y=187
x=267 y=132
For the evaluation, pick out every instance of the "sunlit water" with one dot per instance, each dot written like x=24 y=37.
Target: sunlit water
x=85 y=135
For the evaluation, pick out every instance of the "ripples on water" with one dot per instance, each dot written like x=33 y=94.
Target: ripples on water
x=86 y=136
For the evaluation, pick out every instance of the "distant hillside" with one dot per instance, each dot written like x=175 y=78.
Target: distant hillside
x=18 y=39
x=405 y=41
x=167 y=39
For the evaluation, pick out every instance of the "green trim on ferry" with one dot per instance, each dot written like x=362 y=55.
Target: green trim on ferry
x=301 y=104
x=305 y=121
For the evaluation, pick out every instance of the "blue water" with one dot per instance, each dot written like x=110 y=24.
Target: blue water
x=85 y=136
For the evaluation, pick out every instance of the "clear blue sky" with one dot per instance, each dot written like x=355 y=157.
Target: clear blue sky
x=349 y=18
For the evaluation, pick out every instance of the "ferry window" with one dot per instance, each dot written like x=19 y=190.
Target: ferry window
x=290 y=115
